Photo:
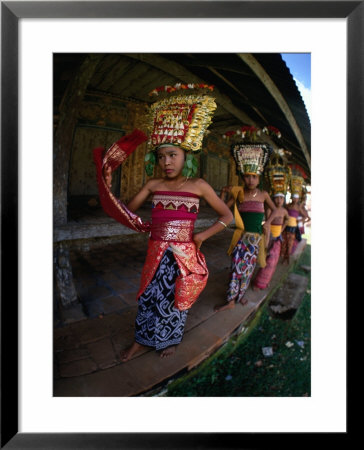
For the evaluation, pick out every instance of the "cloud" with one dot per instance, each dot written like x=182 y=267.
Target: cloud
x=305 y=94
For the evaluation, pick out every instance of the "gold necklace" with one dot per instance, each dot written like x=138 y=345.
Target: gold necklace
x=184 y=182
x=253 y=195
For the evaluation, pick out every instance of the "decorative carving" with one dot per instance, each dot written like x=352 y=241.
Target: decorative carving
x=65 y=291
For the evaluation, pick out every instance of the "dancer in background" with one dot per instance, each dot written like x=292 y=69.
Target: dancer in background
x=175 y=271
x=278 y=176
x=294 y=208
x=248 y=243
x=300 y=220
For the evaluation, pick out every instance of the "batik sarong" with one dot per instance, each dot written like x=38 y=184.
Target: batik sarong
x=158 y=323
x=243 y=262
x=265 y=274
x=289 y=236
x=245 y=246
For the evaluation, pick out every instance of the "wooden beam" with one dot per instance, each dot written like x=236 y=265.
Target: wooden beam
x=182 y=74
x=241 y=94
x=260 y=72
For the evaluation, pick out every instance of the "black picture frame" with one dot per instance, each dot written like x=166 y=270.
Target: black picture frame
x=11 y=12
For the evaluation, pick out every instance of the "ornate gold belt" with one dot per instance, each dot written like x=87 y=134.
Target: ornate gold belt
x=173 y=231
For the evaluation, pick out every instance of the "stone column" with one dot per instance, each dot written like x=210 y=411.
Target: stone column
x=69 y=110
x=65 y=289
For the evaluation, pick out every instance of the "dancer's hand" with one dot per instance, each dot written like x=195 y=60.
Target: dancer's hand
x=198 y=239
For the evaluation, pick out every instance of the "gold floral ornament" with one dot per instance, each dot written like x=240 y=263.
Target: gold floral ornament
x=278 y=173
x=180 y=118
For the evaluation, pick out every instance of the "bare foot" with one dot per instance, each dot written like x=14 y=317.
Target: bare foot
x=228 y=305
x=169 y=351
x=255 y=288
x=127 y=354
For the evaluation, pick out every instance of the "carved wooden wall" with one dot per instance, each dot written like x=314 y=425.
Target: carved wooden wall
x=103 y=120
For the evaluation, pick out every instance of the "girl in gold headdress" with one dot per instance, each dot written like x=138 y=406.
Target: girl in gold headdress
x=277 y=174
x=248 y=244
x=175 y=271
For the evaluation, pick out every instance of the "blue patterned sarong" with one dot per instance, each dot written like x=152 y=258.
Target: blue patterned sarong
x=243 y=262
x=158 y=323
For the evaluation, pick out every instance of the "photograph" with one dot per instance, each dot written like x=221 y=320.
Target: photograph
x=179 y=210
x=161 y=165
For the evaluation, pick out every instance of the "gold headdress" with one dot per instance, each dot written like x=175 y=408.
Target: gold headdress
x=251 y=158
x=181 y=119
x=297 y=183
x=278 y=173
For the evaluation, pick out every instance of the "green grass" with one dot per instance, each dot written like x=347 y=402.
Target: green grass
x=239 y=369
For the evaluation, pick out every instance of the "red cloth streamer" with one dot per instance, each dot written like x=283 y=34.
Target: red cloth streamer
x=115 y=156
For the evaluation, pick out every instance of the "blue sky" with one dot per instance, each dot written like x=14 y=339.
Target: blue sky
x=299 y=65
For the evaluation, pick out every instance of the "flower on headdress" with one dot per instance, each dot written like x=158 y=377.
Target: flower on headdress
x=272 y=131
x=228 y=134
x=250 y=132
x=179 y=86
x=249 y=129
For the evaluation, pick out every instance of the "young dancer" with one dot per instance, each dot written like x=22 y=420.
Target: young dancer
x=294 y=209
x=277 y=227
x=277 y=174
x=175 y=271
x=248 y=243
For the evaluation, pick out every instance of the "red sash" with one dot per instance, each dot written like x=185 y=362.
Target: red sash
x=115 y=156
